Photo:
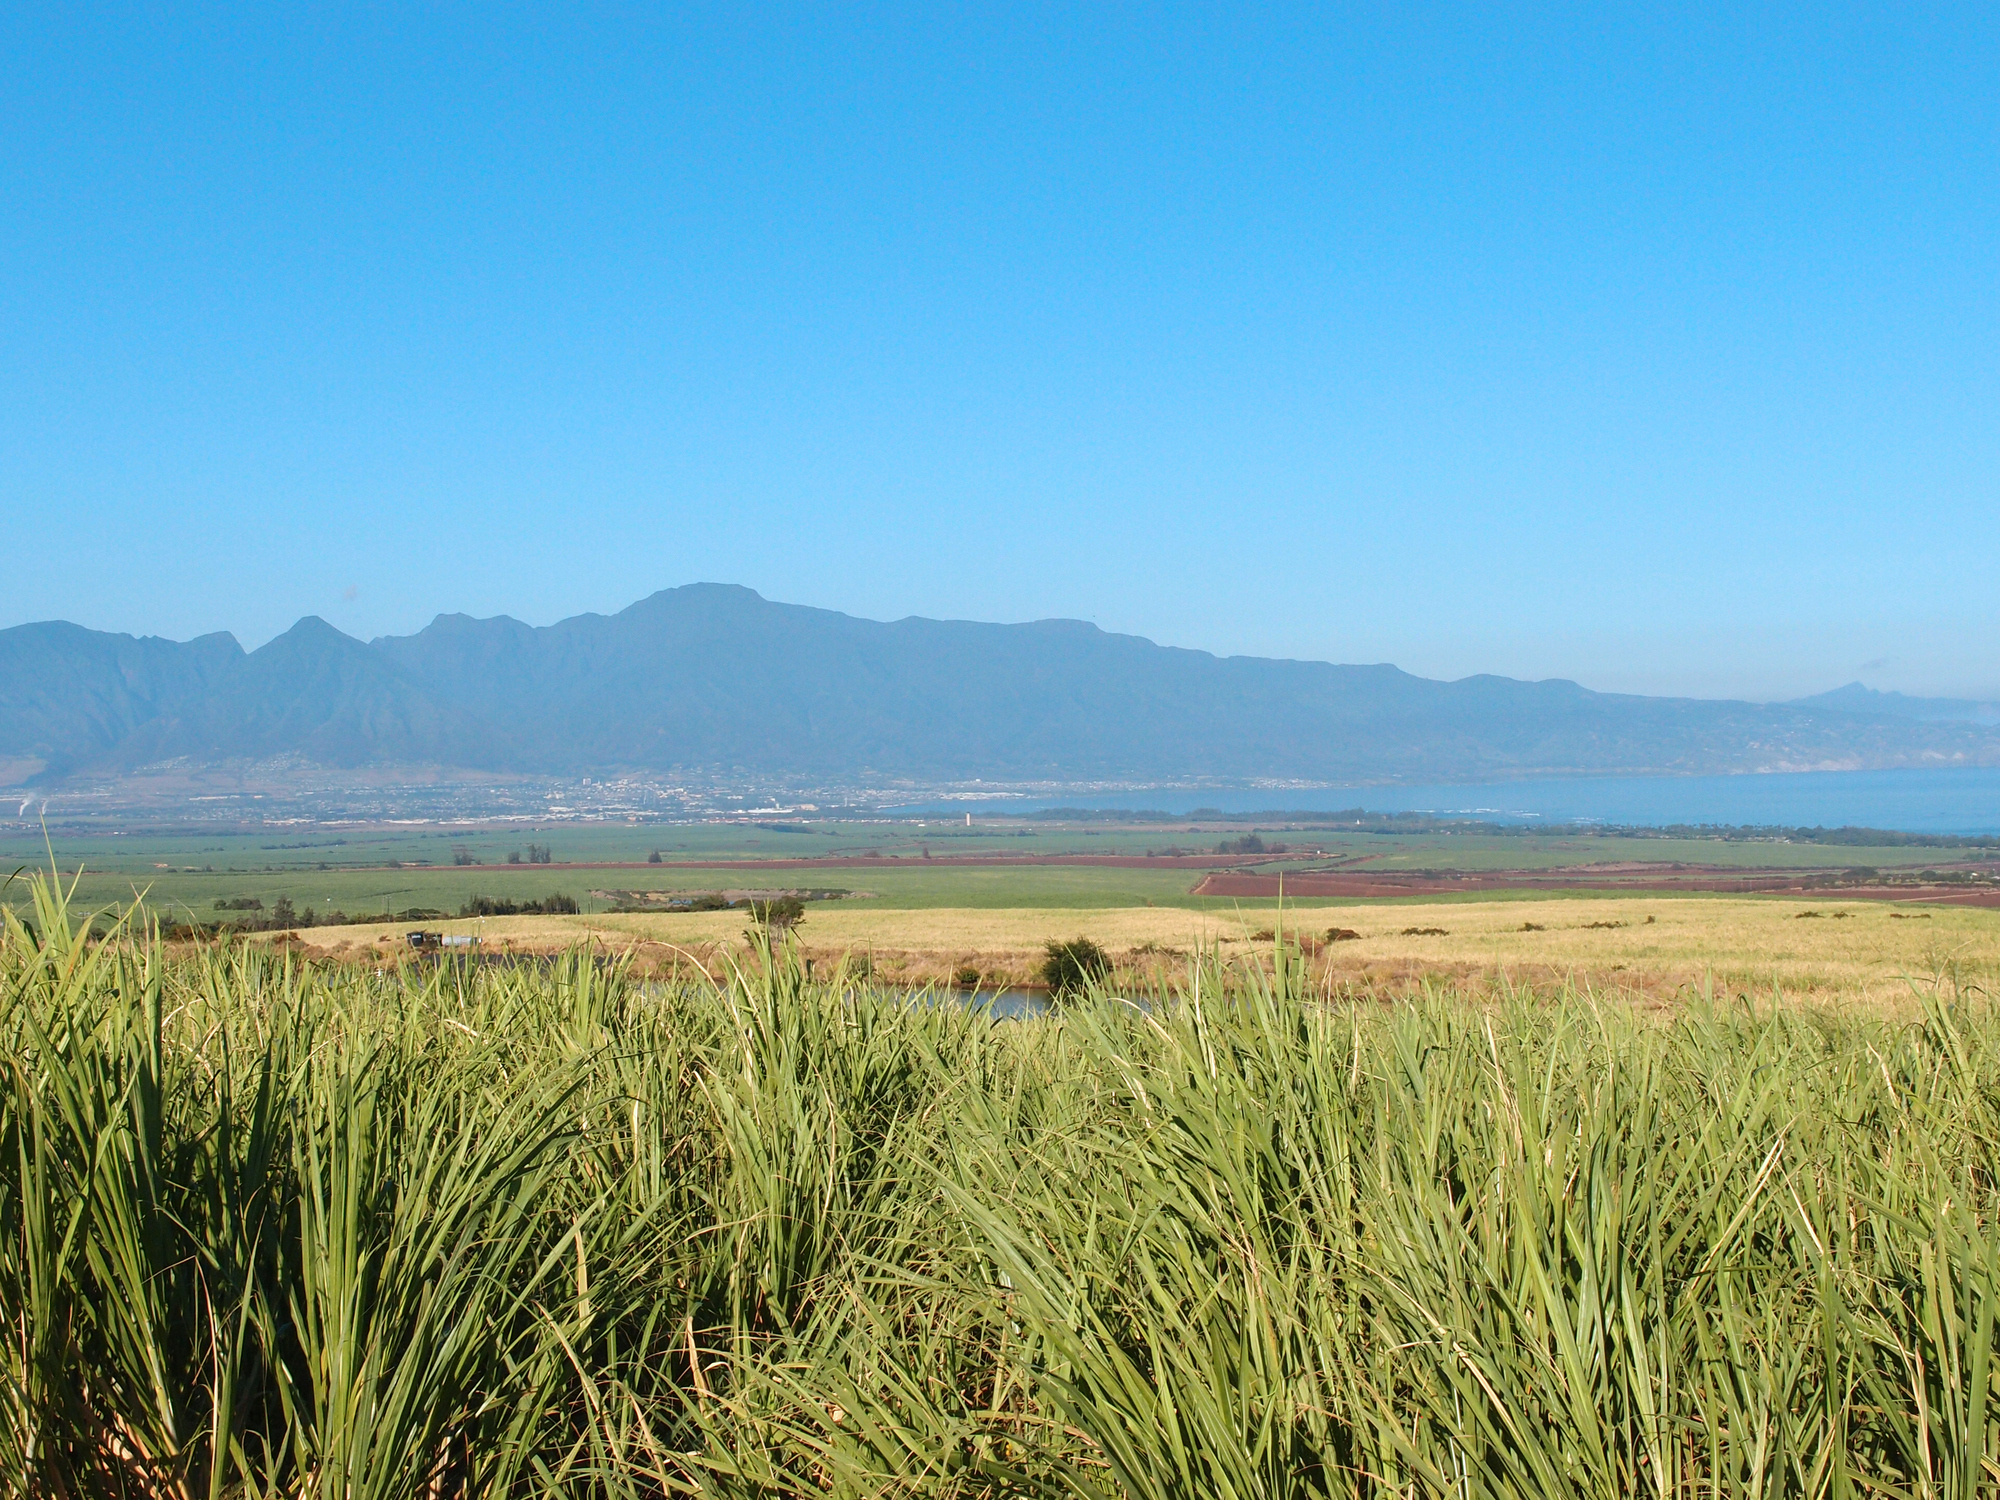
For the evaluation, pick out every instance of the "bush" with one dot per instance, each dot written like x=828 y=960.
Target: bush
x=1071 y=968
x=701 y=901
x=778 y=914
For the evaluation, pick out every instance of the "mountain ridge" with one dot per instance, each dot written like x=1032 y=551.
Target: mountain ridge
x=1853 y=697
x=715 y=676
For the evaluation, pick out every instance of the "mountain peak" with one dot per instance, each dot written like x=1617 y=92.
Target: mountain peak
x=311 y=632
x=696 y=596
x=1856 y=698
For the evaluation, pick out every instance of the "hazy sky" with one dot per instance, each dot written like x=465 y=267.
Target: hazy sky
x=1657 y=349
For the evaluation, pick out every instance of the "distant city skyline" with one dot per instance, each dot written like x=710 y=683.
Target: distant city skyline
x=1655 y=351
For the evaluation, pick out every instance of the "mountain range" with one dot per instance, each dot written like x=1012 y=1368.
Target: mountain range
x=715 y=678
x=1856 y=699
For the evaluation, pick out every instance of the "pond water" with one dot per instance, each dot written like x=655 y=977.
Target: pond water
x=1007 y=1005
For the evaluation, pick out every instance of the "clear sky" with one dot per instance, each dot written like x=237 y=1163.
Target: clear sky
x=1655 y=348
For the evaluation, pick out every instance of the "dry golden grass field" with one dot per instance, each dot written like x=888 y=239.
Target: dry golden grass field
x=1650 y=946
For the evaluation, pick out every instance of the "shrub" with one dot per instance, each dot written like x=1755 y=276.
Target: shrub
x=778 y=914
x=1071 y=968
x=701 y=901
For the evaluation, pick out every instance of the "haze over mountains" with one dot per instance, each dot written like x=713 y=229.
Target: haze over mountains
x=713 y=677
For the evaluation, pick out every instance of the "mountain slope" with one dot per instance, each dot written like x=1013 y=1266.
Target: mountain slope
x=324 y=697
x=716 y=678
x=712 y=675
x=1854 y=698
x=70 y=695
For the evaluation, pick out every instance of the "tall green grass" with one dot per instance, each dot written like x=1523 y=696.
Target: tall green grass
x=268 y=1229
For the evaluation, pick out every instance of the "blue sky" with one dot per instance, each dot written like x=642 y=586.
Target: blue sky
x=1655 y=348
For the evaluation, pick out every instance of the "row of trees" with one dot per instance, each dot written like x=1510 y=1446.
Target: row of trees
x=1250 y=843
x=538 y=854
x=248 y=914
x=557 y=905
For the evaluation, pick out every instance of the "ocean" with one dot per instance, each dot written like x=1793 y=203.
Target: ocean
x=1910 y=801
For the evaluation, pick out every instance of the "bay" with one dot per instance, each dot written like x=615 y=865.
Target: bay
x=1963 y=801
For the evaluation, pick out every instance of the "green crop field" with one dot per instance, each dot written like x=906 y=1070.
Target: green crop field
x=272 y=1228
x=376 y=870
x=141 y=850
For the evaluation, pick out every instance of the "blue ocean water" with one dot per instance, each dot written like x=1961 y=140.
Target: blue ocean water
x=1946 y=801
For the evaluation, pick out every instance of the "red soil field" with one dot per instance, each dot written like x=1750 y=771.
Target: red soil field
x=900 y=862
x=1359 y=886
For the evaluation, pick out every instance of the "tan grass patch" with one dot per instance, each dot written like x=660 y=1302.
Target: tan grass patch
x=1737 y=944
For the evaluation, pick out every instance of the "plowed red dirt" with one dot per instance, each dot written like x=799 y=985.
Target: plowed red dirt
x=1611 y=879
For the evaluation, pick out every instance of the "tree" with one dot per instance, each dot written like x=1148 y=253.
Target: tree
x=1070 y=969
x=778 y=914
